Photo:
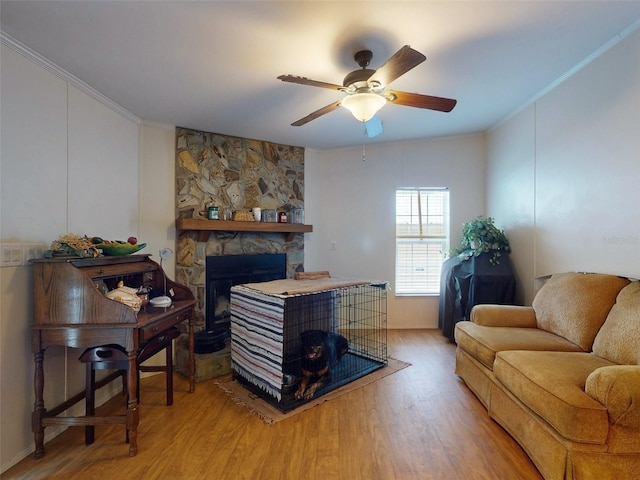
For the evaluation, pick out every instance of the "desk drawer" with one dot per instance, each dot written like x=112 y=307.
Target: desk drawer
x=153 y=329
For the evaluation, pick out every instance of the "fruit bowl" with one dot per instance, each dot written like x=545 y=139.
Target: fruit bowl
x=112 y=249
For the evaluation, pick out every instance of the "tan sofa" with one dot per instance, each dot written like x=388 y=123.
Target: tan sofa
x=562 y=376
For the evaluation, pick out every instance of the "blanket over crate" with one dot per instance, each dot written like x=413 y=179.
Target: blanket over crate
x=298 y=287
x=257 y=321
x=257 y=326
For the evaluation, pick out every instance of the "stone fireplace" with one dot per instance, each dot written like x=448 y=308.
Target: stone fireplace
x=225 y=171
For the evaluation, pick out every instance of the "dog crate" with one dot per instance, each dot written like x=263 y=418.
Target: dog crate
x=268 y=320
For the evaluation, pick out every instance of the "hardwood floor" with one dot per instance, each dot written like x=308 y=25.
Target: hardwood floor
x=420 y=423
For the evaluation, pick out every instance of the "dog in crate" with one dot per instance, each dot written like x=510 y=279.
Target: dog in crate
x=321 y=352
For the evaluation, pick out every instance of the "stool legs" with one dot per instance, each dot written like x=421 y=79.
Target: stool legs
x=89 y=402
x=128 y=366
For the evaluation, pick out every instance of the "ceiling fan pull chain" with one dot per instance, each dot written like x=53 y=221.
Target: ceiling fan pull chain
x=364 y=152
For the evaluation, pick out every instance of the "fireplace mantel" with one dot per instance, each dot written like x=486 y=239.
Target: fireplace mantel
x=203 y=227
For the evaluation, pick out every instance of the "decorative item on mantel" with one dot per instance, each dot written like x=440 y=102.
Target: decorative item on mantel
x=270 y=216
x=212 y=213
x=296 y=215
x=243 y=216
x=482 y=236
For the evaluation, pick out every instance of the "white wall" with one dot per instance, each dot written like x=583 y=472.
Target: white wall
x=157 y=191
x=511 y=190
x=564 y=173
x=69 y=164
x=352 y=203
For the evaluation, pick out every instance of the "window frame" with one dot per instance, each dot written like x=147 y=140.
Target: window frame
x=417 y=229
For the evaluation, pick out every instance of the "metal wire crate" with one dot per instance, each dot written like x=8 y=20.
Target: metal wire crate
x=267 y=329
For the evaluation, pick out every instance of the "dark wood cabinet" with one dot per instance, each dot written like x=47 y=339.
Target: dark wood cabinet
x=465 y=283
x=70 y=309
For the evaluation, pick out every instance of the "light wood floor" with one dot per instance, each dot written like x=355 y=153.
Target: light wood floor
x=419 y=423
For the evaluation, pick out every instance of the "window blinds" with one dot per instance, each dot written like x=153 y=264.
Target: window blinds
x=422 y=239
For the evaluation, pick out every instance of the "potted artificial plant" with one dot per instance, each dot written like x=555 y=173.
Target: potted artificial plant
x=482 y=236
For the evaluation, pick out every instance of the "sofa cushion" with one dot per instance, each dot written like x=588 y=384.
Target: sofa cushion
x=503 y=316
x=619 y=338
x=575 y=305
x=482 y=343
x=618 y=389
x=552 y=384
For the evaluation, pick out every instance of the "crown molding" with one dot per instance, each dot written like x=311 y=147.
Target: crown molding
x=599 y=52
x=46 y=64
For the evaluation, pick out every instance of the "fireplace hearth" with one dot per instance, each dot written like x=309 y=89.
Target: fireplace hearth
x=222 y=273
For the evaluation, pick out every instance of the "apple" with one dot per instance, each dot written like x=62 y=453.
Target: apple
x=132 y=240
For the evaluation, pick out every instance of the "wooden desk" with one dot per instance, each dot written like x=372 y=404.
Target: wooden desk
x=70 y=310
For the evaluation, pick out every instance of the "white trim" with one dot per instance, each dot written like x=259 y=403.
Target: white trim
x=43 y=62
x=150 y=123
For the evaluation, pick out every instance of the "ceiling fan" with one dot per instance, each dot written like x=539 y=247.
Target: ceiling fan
x=366 y=90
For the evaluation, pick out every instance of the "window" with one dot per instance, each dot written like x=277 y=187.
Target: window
x=422 y=239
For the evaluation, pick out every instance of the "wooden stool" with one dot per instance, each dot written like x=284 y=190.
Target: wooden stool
x=114 y=357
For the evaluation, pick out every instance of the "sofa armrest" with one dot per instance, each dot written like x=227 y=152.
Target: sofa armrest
x=617 y=388
x=503 y=316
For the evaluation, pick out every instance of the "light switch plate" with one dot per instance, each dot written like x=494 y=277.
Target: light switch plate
x=11 y=255
x=17 y=254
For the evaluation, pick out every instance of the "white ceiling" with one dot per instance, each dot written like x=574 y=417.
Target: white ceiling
x=212 y=65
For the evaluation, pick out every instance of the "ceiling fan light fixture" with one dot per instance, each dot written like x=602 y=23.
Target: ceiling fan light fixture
x=364 y=89
x=363 y=106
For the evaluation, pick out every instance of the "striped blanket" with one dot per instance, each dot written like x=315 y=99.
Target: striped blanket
x=257 y=321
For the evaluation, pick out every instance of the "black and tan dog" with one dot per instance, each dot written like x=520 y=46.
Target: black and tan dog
x=321 y=351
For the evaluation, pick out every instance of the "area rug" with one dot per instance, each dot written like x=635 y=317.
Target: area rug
x=271 y=415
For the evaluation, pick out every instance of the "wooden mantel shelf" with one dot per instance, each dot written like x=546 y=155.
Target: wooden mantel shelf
x=203 y=227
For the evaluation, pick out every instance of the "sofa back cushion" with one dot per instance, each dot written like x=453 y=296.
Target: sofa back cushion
x=619 y=338
x=575 y=305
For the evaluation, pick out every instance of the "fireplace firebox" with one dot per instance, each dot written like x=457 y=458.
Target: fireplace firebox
x=223 y=272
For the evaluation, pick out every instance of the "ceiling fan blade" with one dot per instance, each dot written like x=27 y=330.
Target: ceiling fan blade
x=400 y=63
x=421 y=101
x=318 y=113
x=307 y=81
